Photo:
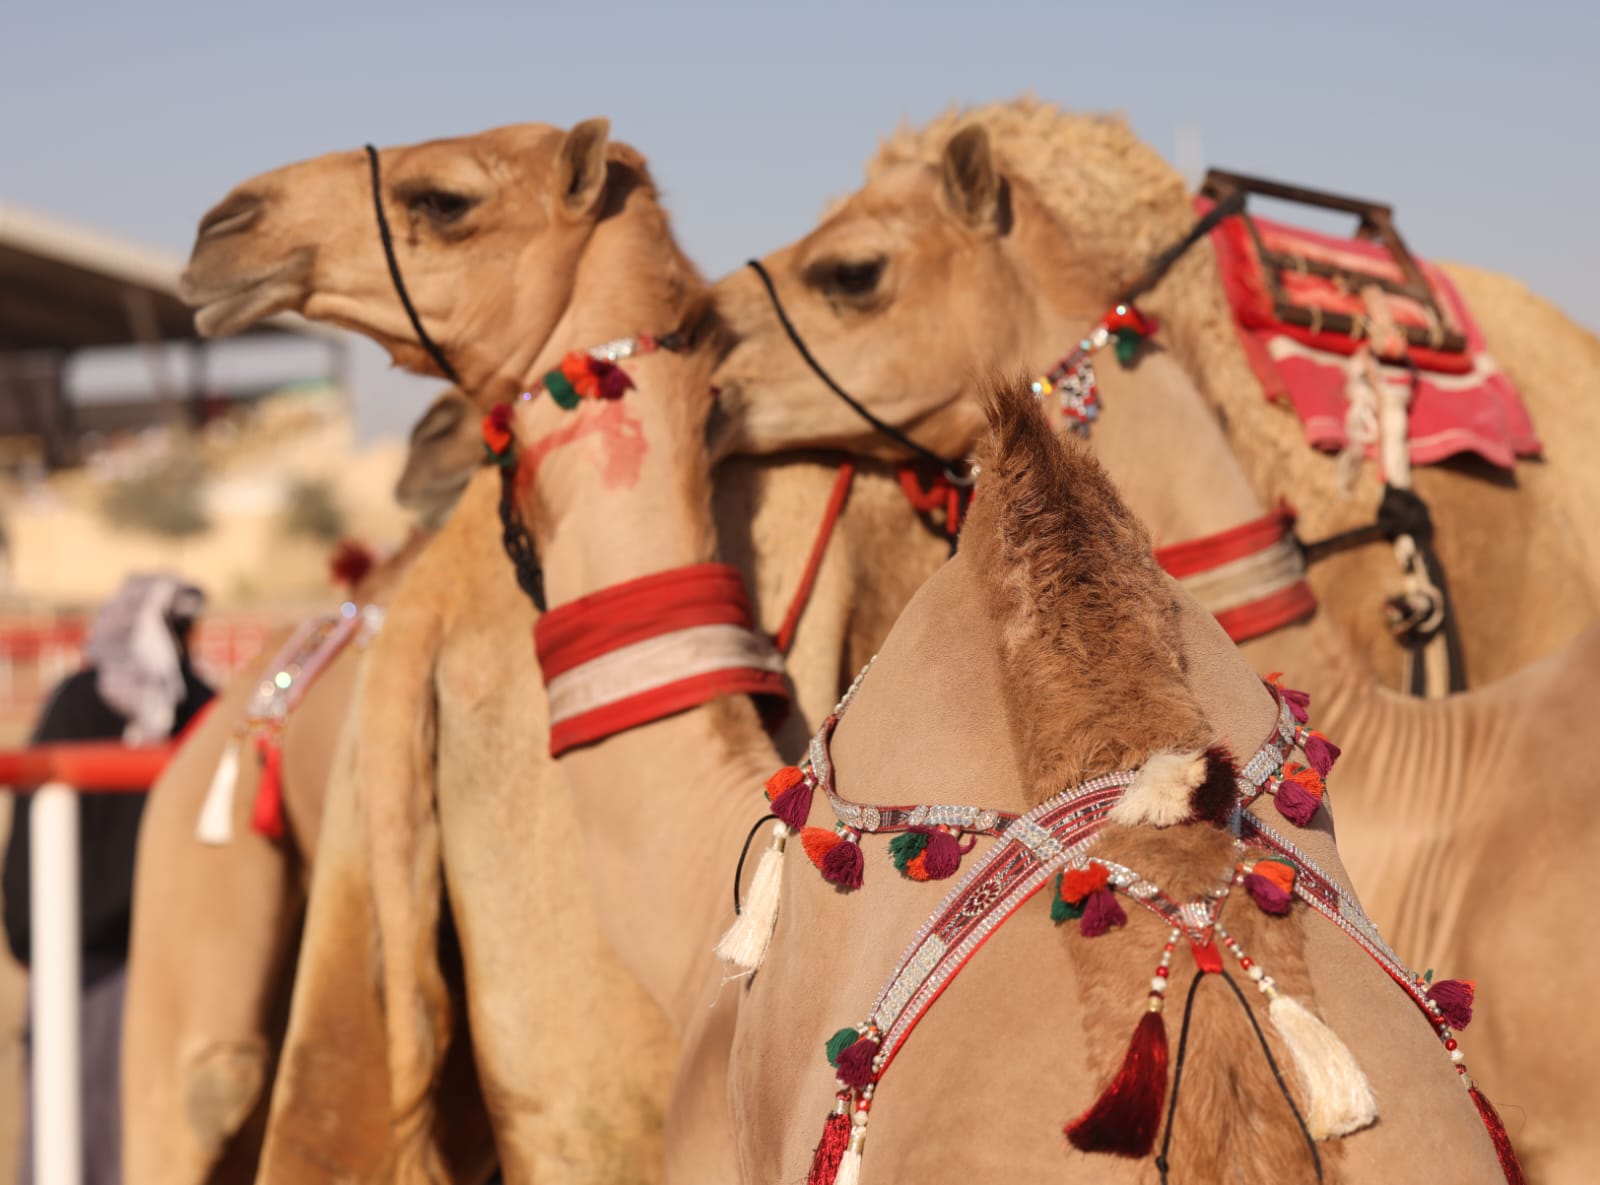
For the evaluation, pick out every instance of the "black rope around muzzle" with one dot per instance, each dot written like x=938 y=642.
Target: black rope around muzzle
x=955 y=472
x=513 y=531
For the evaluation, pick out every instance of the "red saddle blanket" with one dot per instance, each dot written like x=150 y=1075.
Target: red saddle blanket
x=1462 y=402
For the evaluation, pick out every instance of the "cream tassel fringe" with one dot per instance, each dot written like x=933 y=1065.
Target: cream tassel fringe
x=1339 y=1098
x=850 y=1167
x=215 y=825
x=745 y=943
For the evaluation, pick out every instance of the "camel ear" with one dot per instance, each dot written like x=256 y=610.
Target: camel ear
x=442 y=418
x=971 y=181
x=581 y=173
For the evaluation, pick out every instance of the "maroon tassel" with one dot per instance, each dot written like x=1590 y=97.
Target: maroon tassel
x=1212 y=800
x=1126 y=1116
x=1295 y=802
x=1321 y=753
x=267 y=817
x=942 y=857
x=1299 y=703
x=1509 y=1164
x=855 y=1063
x=793 y=806
x=835 y=1140
x=614 y=381
x=843 y=864
x=1101 y=911
x=1270 y=897
x=1454 y=998
x=350 y=563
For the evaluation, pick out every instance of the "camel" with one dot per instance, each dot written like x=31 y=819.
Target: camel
x=1422 y=788
x=215 y=927
x=456 y=742
x=1049 y=654
x=1078 y=209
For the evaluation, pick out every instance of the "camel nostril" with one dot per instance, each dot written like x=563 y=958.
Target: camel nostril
x=234 y=214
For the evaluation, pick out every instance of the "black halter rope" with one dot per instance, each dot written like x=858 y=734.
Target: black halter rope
x=513 y=532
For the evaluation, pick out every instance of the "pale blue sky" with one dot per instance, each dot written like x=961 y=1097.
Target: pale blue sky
x=1476 y=120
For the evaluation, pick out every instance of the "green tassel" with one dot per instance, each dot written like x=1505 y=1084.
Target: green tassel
x=560 y=390
x=1127 y=345
x=839 y=1042
x=1062 y=911
x=906 y=847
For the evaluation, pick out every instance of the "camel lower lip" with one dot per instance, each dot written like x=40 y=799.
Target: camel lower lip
x=235 y=304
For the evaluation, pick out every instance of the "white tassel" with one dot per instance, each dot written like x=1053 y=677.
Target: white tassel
x=745 y=943
x=850 y=1167
x=215 y=825
x=1339 y=1098
x=1159 y=795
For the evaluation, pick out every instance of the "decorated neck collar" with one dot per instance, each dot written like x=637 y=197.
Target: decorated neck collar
x=1072 y=380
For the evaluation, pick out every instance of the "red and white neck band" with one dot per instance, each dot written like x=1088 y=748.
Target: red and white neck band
x=650 y=648
x=1252 y=577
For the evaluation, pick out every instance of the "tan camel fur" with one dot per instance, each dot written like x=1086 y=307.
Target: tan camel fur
x=997 y=236
x=1049 y=650
x=458 y=676
x=215 y=928
x=1421 y=788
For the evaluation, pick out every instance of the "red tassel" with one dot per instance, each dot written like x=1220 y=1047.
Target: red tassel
x=842 y=865
x=1509 y=1164
x=1126 y=1116
x=1295 y=802
x=1269 y=896
x=835 y=1140
x=1101 y=911
x=350 y=564
x=1298 y=701
x=267 y=817
x=793 y=805
x=1454 y=998
x=1321 y=752
x=614 y=381
x=855 y=1063
x=942 y=857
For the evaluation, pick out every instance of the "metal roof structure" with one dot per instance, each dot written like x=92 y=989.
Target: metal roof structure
x=65 y=287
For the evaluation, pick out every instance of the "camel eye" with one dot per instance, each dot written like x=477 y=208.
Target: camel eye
x=856 y=279
x=441 y=206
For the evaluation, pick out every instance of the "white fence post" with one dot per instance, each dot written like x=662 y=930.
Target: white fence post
x=56 y=989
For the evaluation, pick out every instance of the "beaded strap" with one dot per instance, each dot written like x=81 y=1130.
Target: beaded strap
x=303 y=657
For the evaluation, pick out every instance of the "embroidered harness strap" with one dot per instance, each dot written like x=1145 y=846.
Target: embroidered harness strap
x=1251 y=577
x=294 y=669
x=650 y=648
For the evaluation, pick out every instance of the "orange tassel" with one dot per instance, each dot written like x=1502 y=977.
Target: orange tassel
x=1078 y=883
x=818 y=842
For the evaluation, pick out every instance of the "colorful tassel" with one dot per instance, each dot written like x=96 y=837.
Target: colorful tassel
x=1320 y=752
x=746 y=942
x=497 y=435
x=1102 y=912
x=1270 y=896
x=854 y=1062
x=1299 y=702
x=215 y=823
x=790 y=794
x=842 y=864
x=818 y=842
x=1339 y=1098
x=906 y=851
x=350 y=564
x=1299 y=794
x=1454 y=998
x=561 y=390
x=830 y=1151
x=1078 y=883
x=266 y=818
x=576 y=368
x=1509 y=1165
x=1125 y=1118
x=942 y=857
x=839 y=1042
x=1062 y=910
x=614 y=381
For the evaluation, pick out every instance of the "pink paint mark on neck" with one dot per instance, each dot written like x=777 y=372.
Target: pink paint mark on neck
x=622 y=446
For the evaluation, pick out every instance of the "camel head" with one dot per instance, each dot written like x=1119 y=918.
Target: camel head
x=906 y=293
x=990 y=239
x=487 y=232
x=446 y=449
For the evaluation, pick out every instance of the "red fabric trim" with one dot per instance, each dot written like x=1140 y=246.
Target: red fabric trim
x=1212 y=551
x=1271 y=612
x=784 y=638
x=637 y=610
x=85 y=765
x=661 y=702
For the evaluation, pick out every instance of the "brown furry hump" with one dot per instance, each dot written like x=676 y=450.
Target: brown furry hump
x=1089 y=625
